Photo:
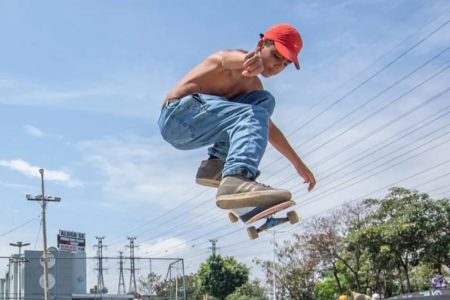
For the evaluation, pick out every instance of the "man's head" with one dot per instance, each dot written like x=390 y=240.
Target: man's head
x=287 y=41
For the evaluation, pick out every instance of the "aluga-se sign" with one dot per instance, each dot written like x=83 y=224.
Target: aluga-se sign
x=71 y=241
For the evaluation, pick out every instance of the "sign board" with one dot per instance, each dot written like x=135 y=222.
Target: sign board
x=71 y=241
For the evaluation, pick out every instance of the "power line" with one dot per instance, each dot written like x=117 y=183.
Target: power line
x=382 y=69
x=382 y=127
x=339 y=187
x=162 y=215
x=358 y=75
x=387 y=65
x=428 y=100
x=419 y=125
x=421 y=172
x=402 y=147
x=358 y=86
x=374 y=113
x=342 y=167
x=397 y=82
x=18 y=227
x=238 y=229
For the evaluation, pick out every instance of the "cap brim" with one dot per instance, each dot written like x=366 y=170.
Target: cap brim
x=288 y=54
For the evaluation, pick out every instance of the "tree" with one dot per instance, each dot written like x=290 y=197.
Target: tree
x=437 y=247
x=153 y=285
x=326 y=239
x=399 y=228
x=192 y=290
x=294 y=272
x=391 y=245
x=327 y=287
x=402 y=232
x=148 y=285
x=249 y=291
x=220 y=276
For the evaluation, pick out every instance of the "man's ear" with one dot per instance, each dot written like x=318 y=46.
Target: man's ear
x=260 y=45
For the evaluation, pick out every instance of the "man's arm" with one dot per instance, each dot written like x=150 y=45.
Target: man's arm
x=279 y=142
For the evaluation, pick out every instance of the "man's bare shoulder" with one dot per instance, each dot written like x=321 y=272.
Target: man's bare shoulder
x=226 y=52
x=230 y=59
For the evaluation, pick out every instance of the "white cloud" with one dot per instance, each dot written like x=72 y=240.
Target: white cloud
x=33 y=171
x=33 y=131
x=141 y=169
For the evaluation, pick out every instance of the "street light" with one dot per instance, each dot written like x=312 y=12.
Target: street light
x=19 y=245
x=44 y=201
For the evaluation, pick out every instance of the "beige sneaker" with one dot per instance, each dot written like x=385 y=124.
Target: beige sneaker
x=237 y=192
x=210 y=172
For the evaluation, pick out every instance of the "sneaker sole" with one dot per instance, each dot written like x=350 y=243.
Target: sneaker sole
x=252 y=199
x=208 y=182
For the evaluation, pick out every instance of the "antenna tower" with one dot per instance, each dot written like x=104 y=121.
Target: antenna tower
x=100 y=282
x=121 y=290
x=132 y=287
x=213 y=246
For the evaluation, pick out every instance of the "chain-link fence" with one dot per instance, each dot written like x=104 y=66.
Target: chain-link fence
x=77 y=276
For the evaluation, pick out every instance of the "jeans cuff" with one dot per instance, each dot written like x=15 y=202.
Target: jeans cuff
x=241 y=171
x=217 y=154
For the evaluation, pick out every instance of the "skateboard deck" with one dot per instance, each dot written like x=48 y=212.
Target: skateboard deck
x=250 y=215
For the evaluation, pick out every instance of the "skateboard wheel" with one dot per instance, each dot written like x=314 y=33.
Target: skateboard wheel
x=252 y=233
x=293 y=217
x=233 y=218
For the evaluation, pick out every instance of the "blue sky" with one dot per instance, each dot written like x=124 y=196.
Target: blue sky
x=81 y=85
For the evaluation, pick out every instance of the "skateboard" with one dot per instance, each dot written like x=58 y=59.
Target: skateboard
x=250 y=215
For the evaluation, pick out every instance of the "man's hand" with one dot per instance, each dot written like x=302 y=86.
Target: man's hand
x=307 y=175
x=253 y=64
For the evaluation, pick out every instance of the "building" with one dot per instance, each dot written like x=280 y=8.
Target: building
x=67 y=277
x=67 y=274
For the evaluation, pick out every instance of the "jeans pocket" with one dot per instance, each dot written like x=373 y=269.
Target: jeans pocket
x=199 y=99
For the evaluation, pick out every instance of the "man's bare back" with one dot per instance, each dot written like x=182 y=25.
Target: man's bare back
x=211 y=77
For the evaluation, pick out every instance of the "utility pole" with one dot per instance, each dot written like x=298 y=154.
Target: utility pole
x=121 y=289
x=273 y=268
x=44 y=201
x=213 y=246
x=19 y=245
x=132 y=288
x=152 y=277
x=8 y=280
x=100 y=281
x=274 y=271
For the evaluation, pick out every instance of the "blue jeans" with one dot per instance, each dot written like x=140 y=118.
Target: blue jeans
x=237 y=129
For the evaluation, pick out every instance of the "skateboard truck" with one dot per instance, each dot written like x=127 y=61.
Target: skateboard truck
x=250 y=215
x=271 y=221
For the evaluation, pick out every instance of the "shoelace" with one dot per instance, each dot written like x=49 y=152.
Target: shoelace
x=262 y=184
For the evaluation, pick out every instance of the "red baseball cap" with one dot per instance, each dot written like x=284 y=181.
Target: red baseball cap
x=287 y=41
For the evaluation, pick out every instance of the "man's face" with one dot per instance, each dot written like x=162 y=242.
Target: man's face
x=273 y=61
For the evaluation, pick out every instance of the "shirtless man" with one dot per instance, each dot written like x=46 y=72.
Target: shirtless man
x=221 y=103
